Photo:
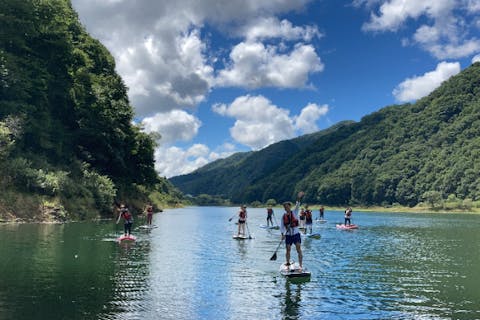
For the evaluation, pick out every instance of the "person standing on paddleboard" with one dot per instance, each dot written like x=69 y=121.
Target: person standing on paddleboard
x=290 y=231
x=308 y=220
x=348 y=216
x=321 y=211
x=149 y=212
x=242 y=219
x=269 y=216
x=127 y=218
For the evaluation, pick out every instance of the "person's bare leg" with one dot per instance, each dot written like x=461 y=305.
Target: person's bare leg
x=299 y=252
x=287 y=254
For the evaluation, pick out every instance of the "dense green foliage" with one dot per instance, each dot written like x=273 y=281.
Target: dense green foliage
x=423 y=152
x=66 y=133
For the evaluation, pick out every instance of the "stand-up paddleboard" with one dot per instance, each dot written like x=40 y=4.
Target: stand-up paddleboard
x=241 y=237
x=312 y=235
x=293 y=271
x=124 y=238
x=321 y=221
x=264 y=226
x=347 y=227
x=146 y=226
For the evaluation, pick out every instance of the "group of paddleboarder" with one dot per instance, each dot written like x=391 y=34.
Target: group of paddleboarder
x=290 y=224
x=125 y=214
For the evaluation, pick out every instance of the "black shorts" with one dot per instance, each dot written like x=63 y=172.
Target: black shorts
x=289 y=240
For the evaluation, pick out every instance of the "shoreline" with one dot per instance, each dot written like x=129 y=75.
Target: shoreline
x=398 y=209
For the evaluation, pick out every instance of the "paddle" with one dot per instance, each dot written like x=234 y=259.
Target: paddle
x=274 y=257
x=232 y=217
x=248 y=230
x=274 y=218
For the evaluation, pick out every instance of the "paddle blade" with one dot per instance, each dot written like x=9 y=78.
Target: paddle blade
x=274 y=257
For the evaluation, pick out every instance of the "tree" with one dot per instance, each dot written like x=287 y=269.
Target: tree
x=434 y=198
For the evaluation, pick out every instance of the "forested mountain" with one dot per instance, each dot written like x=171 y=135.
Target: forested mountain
x=66 y=135
x=401 y=154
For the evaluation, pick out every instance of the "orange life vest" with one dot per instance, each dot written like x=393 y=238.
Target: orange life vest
x=289 y=220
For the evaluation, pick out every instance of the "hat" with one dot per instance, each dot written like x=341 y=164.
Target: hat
x=287 y=202
x=244 y=206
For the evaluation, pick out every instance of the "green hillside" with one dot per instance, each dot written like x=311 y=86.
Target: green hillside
x=67 y=143
x=407 y=154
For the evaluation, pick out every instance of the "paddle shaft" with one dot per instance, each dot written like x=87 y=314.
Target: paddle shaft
x=248 y=230
x=274 y=256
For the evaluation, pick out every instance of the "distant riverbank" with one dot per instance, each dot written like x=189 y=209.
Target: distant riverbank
x=399 y=209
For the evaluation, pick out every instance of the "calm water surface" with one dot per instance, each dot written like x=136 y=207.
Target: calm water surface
x=396 y=266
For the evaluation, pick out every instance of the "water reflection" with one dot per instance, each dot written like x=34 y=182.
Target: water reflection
x=395 y=266
x=291 y=306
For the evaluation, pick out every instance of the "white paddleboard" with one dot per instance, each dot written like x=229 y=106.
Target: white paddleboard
x=146 y=226
x=293 y=271
x=241 y=237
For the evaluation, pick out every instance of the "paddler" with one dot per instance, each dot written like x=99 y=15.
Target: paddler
x=348 y=215
x=149 y=211
x=269 y=216
x=290 y=231
x=127 y=218
x=308 y=220
x=242 y=219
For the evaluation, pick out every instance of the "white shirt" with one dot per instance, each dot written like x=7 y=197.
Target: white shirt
x=291 y=231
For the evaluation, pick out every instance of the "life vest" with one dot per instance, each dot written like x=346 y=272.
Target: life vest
x=127 y=216
x=308 y=214
x=150 y=210
x=289 y=220
x=269 y=211
x=348 y=213
x=243 y=215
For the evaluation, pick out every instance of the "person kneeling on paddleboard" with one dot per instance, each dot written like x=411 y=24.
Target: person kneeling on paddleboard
x=289 y=229
x=128 y=219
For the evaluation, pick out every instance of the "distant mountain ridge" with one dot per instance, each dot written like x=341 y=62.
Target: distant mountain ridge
x=399 y=154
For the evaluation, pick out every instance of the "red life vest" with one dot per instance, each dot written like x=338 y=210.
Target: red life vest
x=127 y=215
x=242 y=214
x=269 y=211
x=308 y=214
x=289 y=220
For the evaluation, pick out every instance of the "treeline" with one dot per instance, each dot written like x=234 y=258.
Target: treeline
x=402 y=154
x=66 y=136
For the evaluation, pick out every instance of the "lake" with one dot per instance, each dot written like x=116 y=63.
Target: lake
x=395 y=266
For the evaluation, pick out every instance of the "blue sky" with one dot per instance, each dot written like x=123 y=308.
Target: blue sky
x=218 y=77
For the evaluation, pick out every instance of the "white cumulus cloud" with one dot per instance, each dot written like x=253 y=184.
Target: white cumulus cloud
x=306 y=122
x=420 y=86
x=174 y=125
x=162 y=53
x=260 y=123
x=255 y=65
x=172 y=161
x=447 y=29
